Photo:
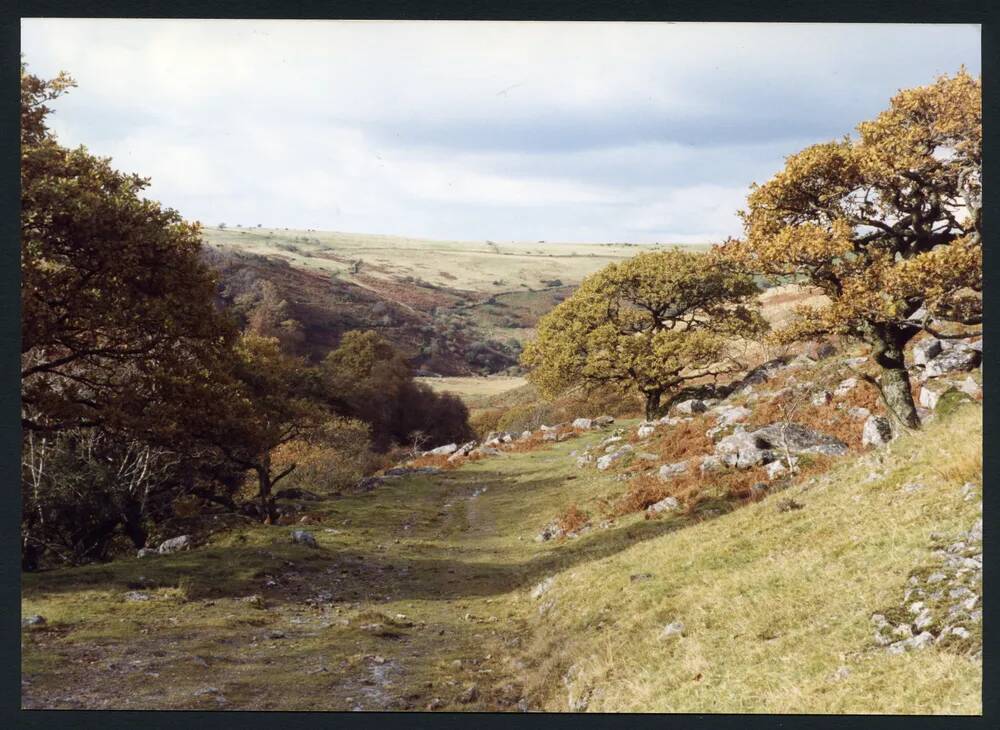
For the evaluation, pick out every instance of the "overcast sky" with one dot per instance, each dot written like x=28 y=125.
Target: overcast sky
x=508 y=131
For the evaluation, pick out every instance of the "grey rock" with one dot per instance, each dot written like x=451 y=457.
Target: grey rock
x=711 y=464
x=797 y=439
x=146 y=553
x=605 y=462
x=877 y=431
x=672 y=630
x=584 y=424
x=669 y=471
x=668 y=503
x=33 y=620
x=646 y=430
x=822 y=398
x=601 y=421
x=956 y=359
x=691 y=406
x=542 y=588
x=445 y=450
x=175 y=544
x=845 y=386
x=303 y=537
x=858 y=412
x=137 y=596
x=926 y=350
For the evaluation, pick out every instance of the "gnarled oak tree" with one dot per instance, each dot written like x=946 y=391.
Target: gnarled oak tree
x=888 y=226
x=654 y=323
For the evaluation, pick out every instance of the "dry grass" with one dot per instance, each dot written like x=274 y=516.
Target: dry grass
x=774 y=603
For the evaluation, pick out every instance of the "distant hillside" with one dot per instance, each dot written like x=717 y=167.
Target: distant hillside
x=453 y=307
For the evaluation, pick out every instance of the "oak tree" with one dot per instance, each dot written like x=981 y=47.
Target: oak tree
x=888 y=225
x=656 y=323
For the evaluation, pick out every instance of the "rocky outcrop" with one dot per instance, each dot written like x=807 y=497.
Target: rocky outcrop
x=958 y=358
x=669 y=471
x=877 y=431
x=604 y=463
x=443 y=450
x=744 y=449
x=303 y=537
x=176 y=544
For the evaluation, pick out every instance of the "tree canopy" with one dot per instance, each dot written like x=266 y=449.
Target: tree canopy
x=888 y=225
x=656 y=323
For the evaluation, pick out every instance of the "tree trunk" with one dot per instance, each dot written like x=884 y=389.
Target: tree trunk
x=268 y=515
x=653 y=404
x=894 y=383
x=132 y=525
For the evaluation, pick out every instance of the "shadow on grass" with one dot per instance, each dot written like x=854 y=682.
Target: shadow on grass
x=360 y=571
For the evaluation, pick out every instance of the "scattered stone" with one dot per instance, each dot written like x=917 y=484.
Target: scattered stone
x=669 y=471
x=647 y=456
x=584 y=424
x=254 y=600
x=970 y=387
x=303 y=537
x=671 y=630
x=146 y=553
x=912 y=488
x=691 y=406
x=798 y=439
x=877 y=431
x=926 y=350
x=137 y=596
x=646 y=430
x=858 y=412
x=775 y=469
x=445 y=450
x=605 y=462
x=549 y=532
x=711 y=464
x=823 y=398
x=601 y=421
x=33 y=620
x=668 y=503
x=542 y=588
x=956 y=359
x=845 y=387
x=175 y=544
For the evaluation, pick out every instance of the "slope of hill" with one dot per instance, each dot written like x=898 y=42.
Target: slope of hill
x=437 y=591
x=453 y=307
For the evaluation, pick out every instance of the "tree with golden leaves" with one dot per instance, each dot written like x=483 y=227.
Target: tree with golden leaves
x=656 y=323
x=888 y=225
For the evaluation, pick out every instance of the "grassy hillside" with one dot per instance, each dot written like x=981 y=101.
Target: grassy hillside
x=453 y=307
x=479 y=266
x=420 y=596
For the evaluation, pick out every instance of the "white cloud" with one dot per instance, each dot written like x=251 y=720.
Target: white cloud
x=556 y=131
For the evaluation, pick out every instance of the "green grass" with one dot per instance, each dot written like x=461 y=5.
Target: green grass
x=467 y=265
x=773 y=603
x=474 y=390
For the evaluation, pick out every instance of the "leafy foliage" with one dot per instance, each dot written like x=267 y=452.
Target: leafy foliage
x=888 y=226
x=654 y=323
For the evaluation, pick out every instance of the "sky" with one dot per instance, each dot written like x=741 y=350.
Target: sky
x=585 y=132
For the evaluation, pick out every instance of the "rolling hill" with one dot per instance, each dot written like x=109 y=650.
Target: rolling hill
x=453 y=307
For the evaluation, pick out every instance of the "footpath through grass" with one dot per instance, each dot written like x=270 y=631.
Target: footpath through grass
x=419 y=597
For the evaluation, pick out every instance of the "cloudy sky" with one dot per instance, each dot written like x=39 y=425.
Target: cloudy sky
x=508 y=131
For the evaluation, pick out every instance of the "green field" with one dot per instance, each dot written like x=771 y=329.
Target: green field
x=419 y=597
x=479 y=266
x=474 y=390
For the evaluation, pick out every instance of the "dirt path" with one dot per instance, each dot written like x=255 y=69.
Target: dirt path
x=415 y=599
